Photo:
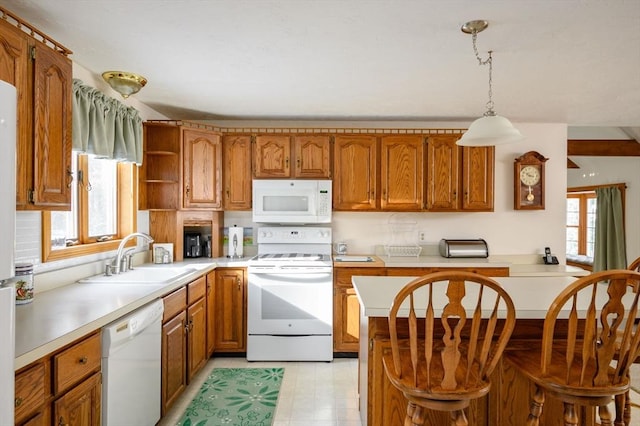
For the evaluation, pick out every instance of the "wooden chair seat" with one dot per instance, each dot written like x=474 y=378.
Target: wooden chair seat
x=446 y=363
x=590 y=367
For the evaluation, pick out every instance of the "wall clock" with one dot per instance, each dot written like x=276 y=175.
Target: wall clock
x=528 y=180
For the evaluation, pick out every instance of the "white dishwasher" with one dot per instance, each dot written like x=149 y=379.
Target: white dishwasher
x=131 y=354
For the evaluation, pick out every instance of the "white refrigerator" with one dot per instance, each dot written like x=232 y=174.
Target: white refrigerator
x=8 y=124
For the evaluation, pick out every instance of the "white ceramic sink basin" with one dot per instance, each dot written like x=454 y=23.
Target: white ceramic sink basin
x=160 y=274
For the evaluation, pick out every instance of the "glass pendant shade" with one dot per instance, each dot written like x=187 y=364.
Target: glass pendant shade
x=490 y=130
x=125 y=83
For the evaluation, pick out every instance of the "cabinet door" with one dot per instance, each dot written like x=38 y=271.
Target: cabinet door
x=81 y=406
x=272 y=154
x=230 y=310
x=197 y=337
x=202 y=165
x=311 y=154
x=443 y=171
x=237 y=172
x=346 y=326
x=402 y=173
x=355 y=173
x=210 y=307
x=51 y=130
x=478 y=178
x=174 y=360
x=14 y=60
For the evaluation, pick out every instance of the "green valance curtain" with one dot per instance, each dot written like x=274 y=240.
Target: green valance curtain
x=105 y=127
x=609 y=249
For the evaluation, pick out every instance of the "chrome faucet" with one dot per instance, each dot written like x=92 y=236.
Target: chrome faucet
x=118 y=260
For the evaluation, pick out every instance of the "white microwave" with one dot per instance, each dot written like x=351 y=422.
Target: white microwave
x=285 y=201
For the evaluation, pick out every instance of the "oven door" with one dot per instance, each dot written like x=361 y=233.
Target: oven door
x=290 y=302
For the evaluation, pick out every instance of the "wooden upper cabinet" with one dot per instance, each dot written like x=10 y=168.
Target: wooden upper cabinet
x=272 y=156
x=237 y=172
x=459 y=178
x=402 y=173
x=443 y=170
x=355 y=173
x=182 y=167
x=43 y=80
x=478 y=178
x=202 y=165
x=311 y=155
x=284 y=156
x=52 y=129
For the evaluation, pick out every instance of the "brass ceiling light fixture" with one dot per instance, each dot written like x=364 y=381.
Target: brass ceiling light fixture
x=490 y=129
x=125 y=83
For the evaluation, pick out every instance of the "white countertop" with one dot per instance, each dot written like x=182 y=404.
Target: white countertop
x=531 y=296
x=57 y=317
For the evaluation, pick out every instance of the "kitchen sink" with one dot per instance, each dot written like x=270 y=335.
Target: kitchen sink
x=157 y=274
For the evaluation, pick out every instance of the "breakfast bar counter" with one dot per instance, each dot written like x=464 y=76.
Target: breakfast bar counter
x=383 y=405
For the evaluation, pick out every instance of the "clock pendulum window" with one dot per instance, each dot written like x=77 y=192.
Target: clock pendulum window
x=529 y=181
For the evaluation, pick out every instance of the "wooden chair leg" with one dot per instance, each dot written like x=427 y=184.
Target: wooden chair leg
x=570 y=415
x=458 y=418
x=415 y=415
x=605 y=416
x=623 y=410
x=536 y=407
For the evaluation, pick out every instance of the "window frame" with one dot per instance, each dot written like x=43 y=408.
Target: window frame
x=582 y=231
x=127 y=217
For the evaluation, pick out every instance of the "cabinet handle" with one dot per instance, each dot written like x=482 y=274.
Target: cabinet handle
x=187 y=190
x=83 y=360
x=18 y=402
x=61 y=422
x=70 y=174
x=286 y=162
x=227 y=193
x=190 y=324
x=298 y=162
x=238 y=283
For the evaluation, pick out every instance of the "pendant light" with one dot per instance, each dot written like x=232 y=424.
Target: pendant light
x=490 y=129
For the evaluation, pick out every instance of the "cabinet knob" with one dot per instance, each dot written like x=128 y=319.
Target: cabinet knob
x=61 y=421
x=286 y=162
x=18 y=402
x=83 y=360
x=187 y=190
x=70 y=174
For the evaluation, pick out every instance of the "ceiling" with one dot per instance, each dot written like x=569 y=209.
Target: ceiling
x=569 y=61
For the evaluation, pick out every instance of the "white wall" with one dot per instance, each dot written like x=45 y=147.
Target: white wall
x=604 y=170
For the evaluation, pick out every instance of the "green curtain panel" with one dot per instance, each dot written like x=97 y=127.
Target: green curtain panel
x=105 y=127
x=609 y=251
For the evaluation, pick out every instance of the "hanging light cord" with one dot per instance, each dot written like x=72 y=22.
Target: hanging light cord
x=474 y=36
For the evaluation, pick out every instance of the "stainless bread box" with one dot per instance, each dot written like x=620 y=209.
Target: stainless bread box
x=463 y=248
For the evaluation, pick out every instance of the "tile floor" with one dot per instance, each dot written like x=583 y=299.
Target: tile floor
x=312 y=393
x=320 y=393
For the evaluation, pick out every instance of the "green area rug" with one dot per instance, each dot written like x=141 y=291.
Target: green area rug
x=235 y=397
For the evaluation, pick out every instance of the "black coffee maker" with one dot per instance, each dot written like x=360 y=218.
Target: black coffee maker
x=192 y=245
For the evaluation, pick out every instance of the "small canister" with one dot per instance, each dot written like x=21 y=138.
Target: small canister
x=23 y=283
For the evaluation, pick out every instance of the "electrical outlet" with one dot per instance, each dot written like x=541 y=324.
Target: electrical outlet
x=422 y=236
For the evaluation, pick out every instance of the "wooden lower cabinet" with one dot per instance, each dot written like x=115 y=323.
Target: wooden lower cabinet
x=230 y=310
x=184 y=339
x=174 y=359
x=81 y=405
x=346 y=308
x=63 y=388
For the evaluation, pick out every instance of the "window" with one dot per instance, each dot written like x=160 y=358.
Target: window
x=102 y=212
x=581 y=222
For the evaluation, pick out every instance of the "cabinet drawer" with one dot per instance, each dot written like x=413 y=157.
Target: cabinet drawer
x=75 y=363
x=30 y=391
x=196 y=290
x=174 y=303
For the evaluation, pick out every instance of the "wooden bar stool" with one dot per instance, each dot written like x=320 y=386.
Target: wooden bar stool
x=468 y=319
x=590 y=367
x=626 y=403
